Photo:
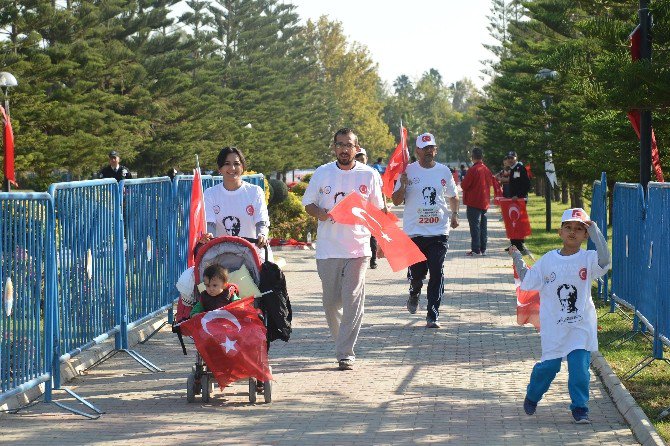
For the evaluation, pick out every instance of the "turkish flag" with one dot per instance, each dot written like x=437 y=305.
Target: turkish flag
x=527 y=305
x=634 y=118
x=399 y=249
x=397 y=164
x=497 y=189
x=232 y=341
x=517 y=224
x=8 y=138
x=196 y=219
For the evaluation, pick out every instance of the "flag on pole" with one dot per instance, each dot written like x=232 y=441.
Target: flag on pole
x=396 y=165
x=398 y=248
x=8 y=138
x=527 y=304
x=515 y=216
x=196 y=220
x=497 y=189
x=232 y=341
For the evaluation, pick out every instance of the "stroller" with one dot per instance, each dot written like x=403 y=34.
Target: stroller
x=240 y=257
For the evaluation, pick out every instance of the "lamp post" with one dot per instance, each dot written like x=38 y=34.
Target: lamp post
x=547 y=74
x=7 y=81
x=645 y=115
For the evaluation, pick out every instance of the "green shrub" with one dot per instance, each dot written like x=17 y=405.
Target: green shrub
x=278 y=191
x=299 y=189
x=288 y=219
x=306 y=178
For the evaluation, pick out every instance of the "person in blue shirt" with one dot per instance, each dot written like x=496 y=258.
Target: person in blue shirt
x=378 y=166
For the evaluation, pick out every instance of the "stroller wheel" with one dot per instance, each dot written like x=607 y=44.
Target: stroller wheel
x=267 y=391
x=206 y=388
x=190 y=388
x=252 y=390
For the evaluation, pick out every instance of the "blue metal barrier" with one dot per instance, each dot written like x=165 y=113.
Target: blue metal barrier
x=659 y=263
x=628 y=223
x=87 y=234
x=149 y=231
x=599 y=215
x=28 y=300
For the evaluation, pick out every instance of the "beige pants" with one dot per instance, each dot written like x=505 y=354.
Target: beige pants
x=343 y=282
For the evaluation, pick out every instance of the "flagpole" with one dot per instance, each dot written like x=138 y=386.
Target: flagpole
x=197 y=162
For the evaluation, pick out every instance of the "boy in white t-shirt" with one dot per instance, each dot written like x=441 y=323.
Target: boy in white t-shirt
x=568 y=322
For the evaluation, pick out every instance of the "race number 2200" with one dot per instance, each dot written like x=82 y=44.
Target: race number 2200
x=426 y=220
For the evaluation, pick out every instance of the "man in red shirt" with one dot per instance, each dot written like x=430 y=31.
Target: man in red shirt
x=476 y=185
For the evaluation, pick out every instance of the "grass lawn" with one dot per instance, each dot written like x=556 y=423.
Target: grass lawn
x=651 y=387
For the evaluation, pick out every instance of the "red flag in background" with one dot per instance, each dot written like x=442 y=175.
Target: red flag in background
x=196 y=219
x=634 y=118
x=397 y=164
x=8 y=138
x=232 y=341
x=527 y=305
x=399 y=249
x=497 y=189
x=528 y=171
x=517 y=224
x=634 y=115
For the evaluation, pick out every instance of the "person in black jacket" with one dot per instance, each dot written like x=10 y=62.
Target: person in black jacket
x=115 y=169
x=518 y=187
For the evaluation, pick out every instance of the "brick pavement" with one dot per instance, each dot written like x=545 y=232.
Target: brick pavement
x=462 y=384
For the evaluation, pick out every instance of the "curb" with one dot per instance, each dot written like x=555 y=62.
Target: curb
x=78 y=364
x=639 y=423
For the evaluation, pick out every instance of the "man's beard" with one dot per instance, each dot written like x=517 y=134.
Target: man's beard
x=349 y=161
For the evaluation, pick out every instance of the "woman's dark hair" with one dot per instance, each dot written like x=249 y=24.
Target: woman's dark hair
x=223 y=154
x=217 y=271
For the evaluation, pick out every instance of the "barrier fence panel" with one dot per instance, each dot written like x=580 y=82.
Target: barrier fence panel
x=26 y=275
x=659 y=244
x=148 y=227
x=628 y=223
x=599 y=215
x=87 y=228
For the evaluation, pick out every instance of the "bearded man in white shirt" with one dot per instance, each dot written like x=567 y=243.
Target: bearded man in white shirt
x=342 y=251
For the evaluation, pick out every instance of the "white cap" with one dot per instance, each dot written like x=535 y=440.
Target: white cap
x=361 y=151
x=425 y=139
x=575 y=214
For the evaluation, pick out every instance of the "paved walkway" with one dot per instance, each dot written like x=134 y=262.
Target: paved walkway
x=463 y=384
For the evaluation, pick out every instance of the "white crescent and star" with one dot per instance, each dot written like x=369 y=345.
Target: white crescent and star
x=363 y=214
x=518 y=213
x=221 y=314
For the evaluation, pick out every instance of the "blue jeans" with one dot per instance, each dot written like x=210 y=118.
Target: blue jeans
x=435 y=250
x=478 y=231
x=578 y=378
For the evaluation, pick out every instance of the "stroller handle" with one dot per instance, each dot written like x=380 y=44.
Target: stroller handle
x=254 y=241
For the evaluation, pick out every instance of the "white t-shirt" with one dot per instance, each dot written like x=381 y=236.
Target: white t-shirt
x=328 y=185
x=236 y=212
x=426 y=200
x=568 y=318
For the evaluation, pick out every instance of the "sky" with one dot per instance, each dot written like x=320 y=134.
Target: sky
x=412 y=36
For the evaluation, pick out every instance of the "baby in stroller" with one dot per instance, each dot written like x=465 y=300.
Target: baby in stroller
x=218 y=292
x=230 y=337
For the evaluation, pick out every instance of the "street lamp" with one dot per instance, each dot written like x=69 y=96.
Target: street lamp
x=7 y=81
x=550 y=171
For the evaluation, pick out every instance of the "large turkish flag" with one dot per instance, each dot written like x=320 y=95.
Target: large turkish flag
x=517 y=224
x=232 y=341
x=398 y=248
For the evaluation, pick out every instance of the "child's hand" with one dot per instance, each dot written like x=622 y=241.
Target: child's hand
x=512 y=250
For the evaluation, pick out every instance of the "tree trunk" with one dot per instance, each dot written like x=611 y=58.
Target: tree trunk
x=564 y=192
x=576 y=195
